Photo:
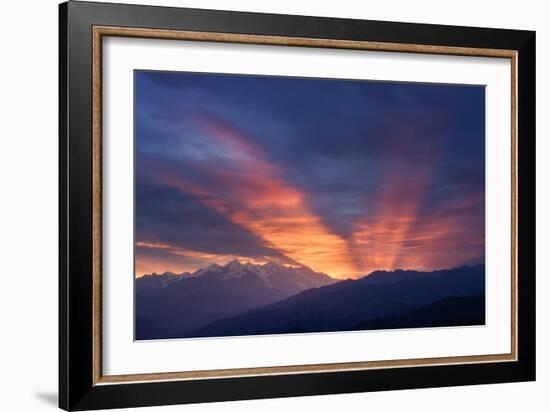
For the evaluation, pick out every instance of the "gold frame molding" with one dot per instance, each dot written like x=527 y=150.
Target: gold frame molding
x=102 y=31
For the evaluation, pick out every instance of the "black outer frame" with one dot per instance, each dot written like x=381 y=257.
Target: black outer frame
x=76 y=389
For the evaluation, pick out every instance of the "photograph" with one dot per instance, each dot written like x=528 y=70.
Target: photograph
x=287 y=205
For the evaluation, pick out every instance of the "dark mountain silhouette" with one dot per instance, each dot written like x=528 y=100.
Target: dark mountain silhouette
x=401 y=298
x=172 y=306
x=450 y=311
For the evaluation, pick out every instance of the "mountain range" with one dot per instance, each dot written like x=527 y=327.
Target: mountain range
x=249 y=299
x=172 y=305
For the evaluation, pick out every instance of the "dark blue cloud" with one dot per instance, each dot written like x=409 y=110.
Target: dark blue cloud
x=165 y=215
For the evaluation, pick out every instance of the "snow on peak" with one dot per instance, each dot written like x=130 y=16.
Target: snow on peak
x=211 y=268
x=234 y=265
x=271 y=273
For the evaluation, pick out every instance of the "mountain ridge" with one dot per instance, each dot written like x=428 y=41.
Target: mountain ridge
x=343 y=305
x=171 y=305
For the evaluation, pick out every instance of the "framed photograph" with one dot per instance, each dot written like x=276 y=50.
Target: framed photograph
x=257 y=205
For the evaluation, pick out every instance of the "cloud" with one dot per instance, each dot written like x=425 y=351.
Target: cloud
x=166 y=216
x=342 y=176
x=253 y=194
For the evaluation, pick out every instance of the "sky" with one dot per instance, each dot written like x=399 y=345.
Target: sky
x=343 y=176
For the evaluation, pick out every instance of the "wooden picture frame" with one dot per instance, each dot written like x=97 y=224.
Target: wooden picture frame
x=82 y=384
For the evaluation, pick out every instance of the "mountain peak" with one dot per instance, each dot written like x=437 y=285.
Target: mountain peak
x=233 y=265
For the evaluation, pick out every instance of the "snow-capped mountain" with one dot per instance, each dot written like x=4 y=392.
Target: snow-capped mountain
x=155 y=280
x=274 y=275
x=171 y=305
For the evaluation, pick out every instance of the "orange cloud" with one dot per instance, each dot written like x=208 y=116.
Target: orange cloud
x=152 y=245
x=254 y=194
x=399 y=238
x=379 y=241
